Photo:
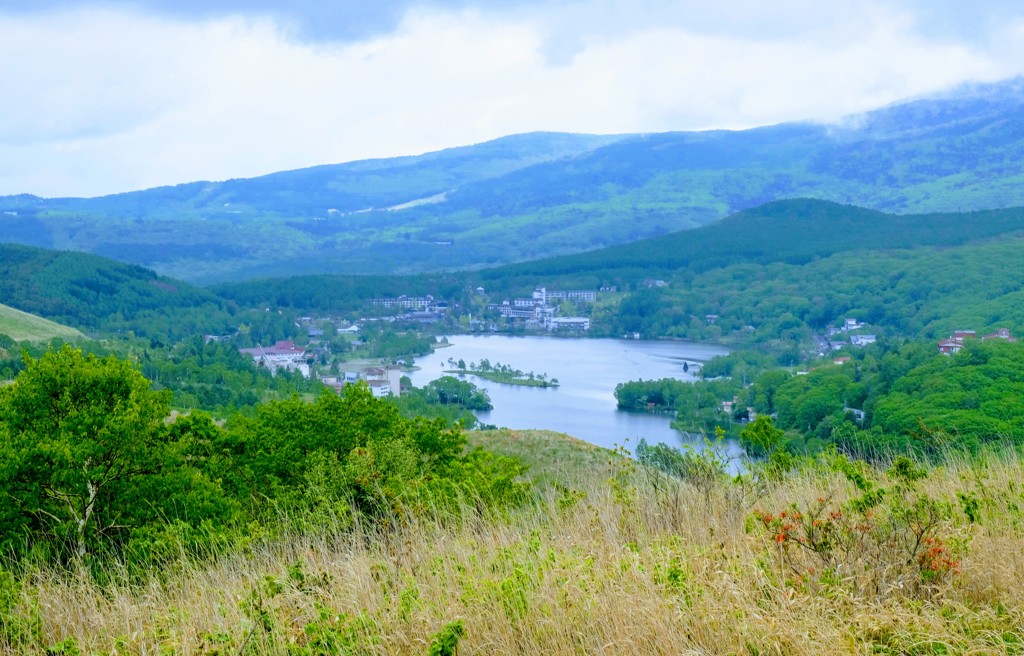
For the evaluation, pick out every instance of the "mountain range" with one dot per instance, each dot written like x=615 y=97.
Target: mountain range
x=538 y=195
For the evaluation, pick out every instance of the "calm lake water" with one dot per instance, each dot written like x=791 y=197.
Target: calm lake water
x=588 y=371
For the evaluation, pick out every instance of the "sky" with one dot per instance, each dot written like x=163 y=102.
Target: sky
x=100 y=97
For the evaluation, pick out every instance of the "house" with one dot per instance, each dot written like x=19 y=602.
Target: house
x=711 y=319
x=349 y=330
x=956 y=342
x=842 y=360
x=375 y=373
x=1001 y=333
x=336 y=383
x=850 y=324
x=951 y=345
x=862 y=340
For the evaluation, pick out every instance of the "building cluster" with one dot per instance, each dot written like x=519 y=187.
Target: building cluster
x=955 y=342
x=282 y=355
x=421 y=309
x=542 y=308
x=838 y=341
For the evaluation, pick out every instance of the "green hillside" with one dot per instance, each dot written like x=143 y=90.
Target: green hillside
x=791 y=231
x=94 y=293
x=22 y=326
x=534 y=196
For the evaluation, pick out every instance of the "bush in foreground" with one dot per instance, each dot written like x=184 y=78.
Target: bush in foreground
x=629 y=567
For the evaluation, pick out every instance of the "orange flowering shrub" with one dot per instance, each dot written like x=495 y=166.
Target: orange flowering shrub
x=881 y=541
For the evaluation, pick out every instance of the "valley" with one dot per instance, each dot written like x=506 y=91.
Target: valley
x=752 y=391
x=532 y=196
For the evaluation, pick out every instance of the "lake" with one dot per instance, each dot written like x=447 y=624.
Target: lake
x=588 y=371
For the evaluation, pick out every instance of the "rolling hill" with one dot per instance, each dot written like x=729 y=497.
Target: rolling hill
x=94 y=293
x=22 y=326
x=532 y=196
x=793 y=232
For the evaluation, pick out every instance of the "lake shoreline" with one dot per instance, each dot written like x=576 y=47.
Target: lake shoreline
x=587 y=371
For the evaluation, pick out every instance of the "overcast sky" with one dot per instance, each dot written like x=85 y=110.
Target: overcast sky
x=105 y=96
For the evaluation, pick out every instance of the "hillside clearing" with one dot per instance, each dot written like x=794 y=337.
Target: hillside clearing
x=22 y=326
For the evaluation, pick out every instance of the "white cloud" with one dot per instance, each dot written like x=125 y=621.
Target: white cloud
x=103 y=101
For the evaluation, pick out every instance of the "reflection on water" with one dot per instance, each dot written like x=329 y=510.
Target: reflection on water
x=588 y=371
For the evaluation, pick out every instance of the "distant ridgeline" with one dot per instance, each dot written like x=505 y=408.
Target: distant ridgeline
x=770 y=275
x=539 y=195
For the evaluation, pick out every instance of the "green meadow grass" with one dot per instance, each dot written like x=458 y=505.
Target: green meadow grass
x=22 y=326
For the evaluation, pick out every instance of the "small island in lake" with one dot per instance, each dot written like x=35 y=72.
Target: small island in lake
x=500 y=373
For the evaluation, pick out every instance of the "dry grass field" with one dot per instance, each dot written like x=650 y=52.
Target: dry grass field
x=615 y=560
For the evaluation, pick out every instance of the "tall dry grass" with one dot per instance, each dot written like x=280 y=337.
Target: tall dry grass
x=628 y=563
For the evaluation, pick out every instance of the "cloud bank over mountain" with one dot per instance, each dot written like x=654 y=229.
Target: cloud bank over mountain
x=117 y=95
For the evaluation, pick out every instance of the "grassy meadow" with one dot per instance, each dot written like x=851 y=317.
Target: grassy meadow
x=22 y=326
x=613 y=560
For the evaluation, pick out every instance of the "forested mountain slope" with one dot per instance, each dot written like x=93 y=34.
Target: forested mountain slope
x=532 y=196
x=95 y=293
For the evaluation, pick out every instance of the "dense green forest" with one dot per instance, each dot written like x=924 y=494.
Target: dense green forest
x=96 y=294
x=887 y=398
x=329 y=293
x=920 y=292
x=794 y=232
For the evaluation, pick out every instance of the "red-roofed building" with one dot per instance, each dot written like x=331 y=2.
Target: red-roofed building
x=951 y=345
x=282 y=355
